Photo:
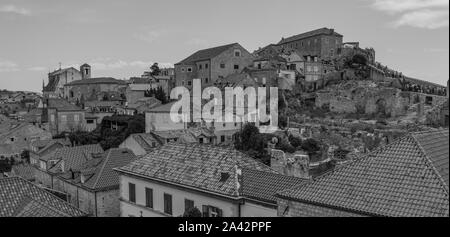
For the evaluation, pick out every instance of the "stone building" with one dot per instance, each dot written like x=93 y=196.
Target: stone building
x=323 y=43
x=407 y=178
x=94 y=186
x=61 y=77
x=104 y=88
x=58 y=159
x=141 y=144
x=63 y=116
x=21 y=198
x=19 y=138
x=220 y=182
x=212 y=64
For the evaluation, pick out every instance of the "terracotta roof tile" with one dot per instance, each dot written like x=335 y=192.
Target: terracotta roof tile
x=73 y=157
x=195 y=165
x=206 y=54
x=401 y=179
x=263 y=186
x=22 y=198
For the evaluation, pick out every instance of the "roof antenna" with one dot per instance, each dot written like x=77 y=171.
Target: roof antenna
x=59 y=65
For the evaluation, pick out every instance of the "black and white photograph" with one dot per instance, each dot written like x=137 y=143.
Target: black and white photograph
x=224 y=109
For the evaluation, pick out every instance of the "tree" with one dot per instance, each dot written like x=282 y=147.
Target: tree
x=25 y=155
x=192 y=212
x=155 y=71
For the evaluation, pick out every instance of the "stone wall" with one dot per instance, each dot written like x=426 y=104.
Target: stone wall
x=288 y=208
x=296 y=165
x=364 y=99
x=42 y=177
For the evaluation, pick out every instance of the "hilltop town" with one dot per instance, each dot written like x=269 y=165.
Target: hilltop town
x=354 y=138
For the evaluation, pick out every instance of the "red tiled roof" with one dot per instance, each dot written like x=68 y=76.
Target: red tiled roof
x=62 y=105
x=435 y=147
x=196 y=166
x=263 y=186
x=145 y=140
x=206 y=54
x=100 y=80
x=99 y=173
x=404 y=178
x=24 y=171
x=19 y=197
x=74 y=157
x=321 y=31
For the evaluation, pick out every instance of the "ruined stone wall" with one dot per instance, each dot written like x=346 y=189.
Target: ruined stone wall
x=296 y=165
x=368 y=99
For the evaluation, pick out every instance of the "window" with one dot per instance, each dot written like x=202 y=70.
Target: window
x=222 y=65
x=188 y=204
x=201 y=141
x=206 y=80
x=76 y=118
x=132 y=192
x=149 y=197
x=332 y=53
x=200 y=67
x=189 y=83
x=206 y=66
x=182 y=69
x=237 y=53
x=168 y=204
x=222 y=138
x=189 y=69
x=90 y=121
x=63 y=118
x=210 y=211
x=236 y=67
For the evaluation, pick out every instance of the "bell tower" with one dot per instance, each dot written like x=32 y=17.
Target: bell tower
x=85 y=71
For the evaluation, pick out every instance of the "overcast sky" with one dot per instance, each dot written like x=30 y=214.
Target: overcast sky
x=121 y=38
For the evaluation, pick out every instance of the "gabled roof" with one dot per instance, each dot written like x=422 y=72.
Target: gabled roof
x=166 y=108
x=145 y=140
x=321 y=31
x=408 y=177
x=62 y=105
x=19 y=197
x=73 y=157
x=99 y=173
x=99 y=80
x=206 y=54
x=207 y=168
x=263 y=186
x=24 y=171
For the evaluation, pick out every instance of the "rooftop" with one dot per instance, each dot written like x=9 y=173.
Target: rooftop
x=98 y=172
x=408 y=178
x=206 y=54
x=20 y=198
x=321 y=31
x=62 y=105
x=203 y=167
x=99 y=80
x=73 y=157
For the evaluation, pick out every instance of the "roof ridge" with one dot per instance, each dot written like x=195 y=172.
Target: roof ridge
x=358 y=160
x=431 y=166
x=105 y=160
